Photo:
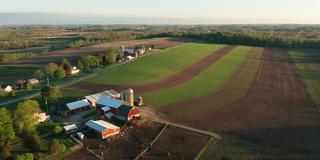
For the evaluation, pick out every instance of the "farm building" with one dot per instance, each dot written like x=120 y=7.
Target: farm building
x=20 y=84
x=72 y=71
x=6 y=88
x=112 y=103
x=102 y=128
x=75 y=107
x=73 y=128
x=95 y=97
x=127 y=113
x=42 y=117
x=33 y=81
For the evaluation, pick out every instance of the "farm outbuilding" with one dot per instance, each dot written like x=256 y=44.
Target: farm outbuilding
x=102 y=128
x=75 y=107
x=107 y=93
x=72 y=71
x=73 y=128
x=33 y=81
x=112 y=103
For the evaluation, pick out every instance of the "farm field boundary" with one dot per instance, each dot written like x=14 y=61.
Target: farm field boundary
x=309 y=73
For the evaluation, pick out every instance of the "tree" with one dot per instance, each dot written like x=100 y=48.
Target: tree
x=57 y=129
x=60 y=73
x=32 y=140
x=51 y=68
x=80 y=65
x=56 y=147
x=24 y=119
x=7 y=133
x=110 y=57
x=25 y=156
x=65 y=64
x=39 y=74
x=89 y=62
x=28 y=86
x=50 y=94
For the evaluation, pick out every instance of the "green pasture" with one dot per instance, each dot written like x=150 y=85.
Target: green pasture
x=207 y=81
x=157 y=66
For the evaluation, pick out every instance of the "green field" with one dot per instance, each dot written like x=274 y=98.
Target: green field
x=10 y=74
x=207 y=81
x=232 y=90
x=309 y=73
x=157 y=66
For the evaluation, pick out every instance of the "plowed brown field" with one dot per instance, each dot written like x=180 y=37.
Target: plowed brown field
x=276 y=110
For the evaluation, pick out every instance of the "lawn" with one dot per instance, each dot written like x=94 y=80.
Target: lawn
x=309 y=73
x=157 y=66
x=207 y=81
x=10 y=74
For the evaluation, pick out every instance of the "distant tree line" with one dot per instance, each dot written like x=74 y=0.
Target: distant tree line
x=109 y=36
x=11 y=57
x=261 y=39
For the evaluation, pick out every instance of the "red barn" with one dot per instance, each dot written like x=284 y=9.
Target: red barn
x=103 y=128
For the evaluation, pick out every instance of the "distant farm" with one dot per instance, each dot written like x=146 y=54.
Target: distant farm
x=261 y=100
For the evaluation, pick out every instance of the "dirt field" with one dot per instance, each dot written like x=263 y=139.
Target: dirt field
x=276 y=111
x=73 y=54
x=176 y=143
x=176 y=79
x=126 y=145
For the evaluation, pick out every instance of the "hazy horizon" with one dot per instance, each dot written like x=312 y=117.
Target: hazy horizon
x=15 y=12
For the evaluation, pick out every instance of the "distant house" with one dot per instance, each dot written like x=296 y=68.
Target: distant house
x=6 y=88
x=42 y=117
x=72 y=71
x=95 y=97
x=73 y=128
x=75 y=107
x=20 y=84
x=33 y=81
x=102 y=128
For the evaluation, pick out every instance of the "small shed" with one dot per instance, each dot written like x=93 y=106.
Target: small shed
x=73 y=128
x=102 y=128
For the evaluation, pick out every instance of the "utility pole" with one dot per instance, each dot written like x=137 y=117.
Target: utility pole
x=48 y=82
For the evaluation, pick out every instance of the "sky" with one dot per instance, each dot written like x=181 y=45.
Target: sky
x=159 y=11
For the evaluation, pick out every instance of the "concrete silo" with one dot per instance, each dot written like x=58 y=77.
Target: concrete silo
x=128 y=96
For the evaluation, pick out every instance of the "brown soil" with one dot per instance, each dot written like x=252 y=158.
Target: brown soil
x=176 y=79
x=276 y=111
x=176 y=143
x=73 y=54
